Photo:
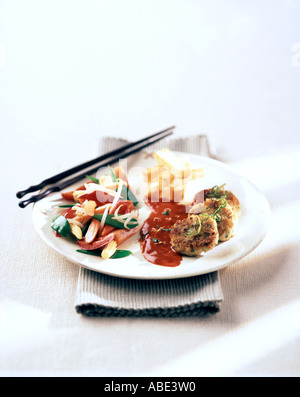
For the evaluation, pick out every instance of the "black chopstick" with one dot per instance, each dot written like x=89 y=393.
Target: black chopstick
x=72 y=171
x=114 y=155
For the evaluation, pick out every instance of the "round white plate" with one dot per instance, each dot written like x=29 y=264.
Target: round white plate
x=252 y=226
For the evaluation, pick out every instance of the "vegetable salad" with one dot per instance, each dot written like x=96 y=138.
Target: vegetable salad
x=101 y=215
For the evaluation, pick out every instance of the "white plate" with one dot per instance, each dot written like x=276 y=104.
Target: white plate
x=252 y=227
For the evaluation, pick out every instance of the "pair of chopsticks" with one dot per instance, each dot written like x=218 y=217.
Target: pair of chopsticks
x=101 y=161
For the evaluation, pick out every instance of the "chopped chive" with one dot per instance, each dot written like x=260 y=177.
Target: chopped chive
x=155 y=240
x=217 y=218
x=217 y=192
x=166 y=212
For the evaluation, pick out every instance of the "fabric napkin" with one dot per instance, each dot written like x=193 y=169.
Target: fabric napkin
x=103 y=295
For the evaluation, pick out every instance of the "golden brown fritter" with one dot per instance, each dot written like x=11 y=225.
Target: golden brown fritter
x=233 y=202
x=225 y=217
x=194 y=235
x=212 y=218
x=219 y=193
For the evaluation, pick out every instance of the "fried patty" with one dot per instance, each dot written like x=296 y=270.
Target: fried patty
x=225 y=217
x=203 y=195
x=194 y=235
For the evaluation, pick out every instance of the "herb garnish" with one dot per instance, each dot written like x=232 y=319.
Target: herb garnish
x=156 y=241
x=223 y=204
x=192 y=231
x=163 y=229
x=217 y=192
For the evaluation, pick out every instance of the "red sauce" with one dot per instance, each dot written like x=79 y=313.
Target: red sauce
x=155 y=233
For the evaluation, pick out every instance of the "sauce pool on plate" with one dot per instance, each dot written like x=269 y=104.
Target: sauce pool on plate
x=155 y=233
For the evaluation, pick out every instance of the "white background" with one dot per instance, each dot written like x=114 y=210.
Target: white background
x=77 y=69
x=74 y=71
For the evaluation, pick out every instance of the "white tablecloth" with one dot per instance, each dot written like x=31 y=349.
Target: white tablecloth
x=70 y=74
